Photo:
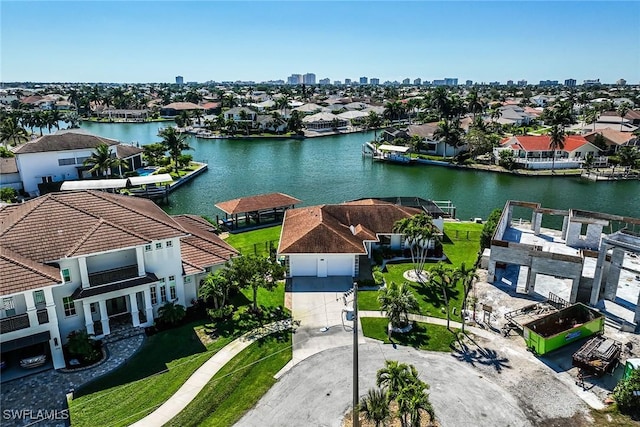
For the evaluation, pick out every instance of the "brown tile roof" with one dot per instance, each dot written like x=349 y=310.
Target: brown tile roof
x=423 y=131
x=182 y=106
x=203 y=248
x=125 y=151
x=611 y=135
x=8 y=165
x=19 y=274
x=64 y=224
x=257 y=203
x=63 y=140
x=339 y=228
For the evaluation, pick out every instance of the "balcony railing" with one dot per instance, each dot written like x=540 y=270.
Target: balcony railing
x=114 y=275
x=14 y=323
x=43 y=316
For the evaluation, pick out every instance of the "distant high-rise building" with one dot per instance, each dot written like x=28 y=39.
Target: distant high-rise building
x=309 y=79
x=522 y=82
x=451 y=81
x=337 y=82
x=570 y=82
x=325 y=81
x=375 y=81
x=294 y=79
x=439 y=82
x=494 y=83
x=347 y=82
x=621 y=82
x=179 y=80
x=509 y=82
x=548 y=83
x=468 y=83
x=364 y=80
x=417 y=82
x=591 y=82
x=406 y=81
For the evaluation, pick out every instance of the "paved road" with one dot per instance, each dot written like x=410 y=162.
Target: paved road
x=318 y=390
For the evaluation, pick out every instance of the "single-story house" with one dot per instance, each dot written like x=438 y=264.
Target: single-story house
x=534 y=152
x=324 y=122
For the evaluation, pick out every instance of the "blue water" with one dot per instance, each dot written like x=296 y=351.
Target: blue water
x=332 y=170
x=145 y=171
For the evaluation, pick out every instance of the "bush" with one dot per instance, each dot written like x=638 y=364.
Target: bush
x=171 y=314
x=377 y=256
x=8 y=195
x=81 y=346
x=624 y=396
x=489 y=228
x=221 y=313
x=378 y=278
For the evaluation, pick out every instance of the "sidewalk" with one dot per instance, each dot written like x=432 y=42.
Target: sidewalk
x=203 y=375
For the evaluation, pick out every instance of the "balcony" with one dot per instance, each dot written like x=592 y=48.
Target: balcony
x=14 y=323
x=114 y=275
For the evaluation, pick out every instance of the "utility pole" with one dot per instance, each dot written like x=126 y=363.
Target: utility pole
x=356 y=394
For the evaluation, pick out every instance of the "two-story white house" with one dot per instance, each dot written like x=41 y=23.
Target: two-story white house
x=96 y=261
x=60 y=157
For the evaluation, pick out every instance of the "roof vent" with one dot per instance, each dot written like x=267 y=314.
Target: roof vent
x=353 y=229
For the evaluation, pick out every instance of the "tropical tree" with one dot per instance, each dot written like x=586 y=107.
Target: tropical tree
x=174 y=142
x=11 y=132
x=475 y=105
x=171 y=313
x=629 y=156
x=440 y=102
x=419 y=233
x=556 y=142
x=396 y=301
x=622 y=110
x=466 y=276
x=480 y=141
x=412 y=400
x=245 y=118
x=375 y=406
x=417 y=143
x=588 y=162
x=103 y=161
x=395 y=376
x=154 y=153
x=215 y=288
x=374 y=121
x=443 y=277
x=256 y=272
x=295 y=122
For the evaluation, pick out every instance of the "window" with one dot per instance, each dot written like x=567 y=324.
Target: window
x=172 y=278
x=163 y=293
x=147 y=248
x=172 y=292
x=80 y=160
x=64 y=162
x=169 y=243
x=66 y=275
x=9 y=306
x=159 y=245
x=69 y=306
x=38 y=298
x=47 y=179
x=154 y=295
x=93 y=307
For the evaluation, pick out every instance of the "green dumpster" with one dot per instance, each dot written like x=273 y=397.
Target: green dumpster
x=630 y=366
x=561 y=328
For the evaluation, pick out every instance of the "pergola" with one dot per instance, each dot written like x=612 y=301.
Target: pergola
x=261 y=209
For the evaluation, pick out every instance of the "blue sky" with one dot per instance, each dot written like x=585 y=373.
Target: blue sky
x=150 y=41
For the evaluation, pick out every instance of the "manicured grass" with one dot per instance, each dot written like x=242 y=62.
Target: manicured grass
x=423 y=336
x=163 y=364
x=239 y=384
x=256 y=241
x=458 y=248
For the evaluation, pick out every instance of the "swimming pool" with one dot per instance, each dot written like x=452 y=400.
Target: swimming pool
x=146 y=171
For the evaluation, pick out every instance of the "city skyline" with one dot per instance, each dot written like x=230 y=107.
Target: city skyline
x=139 y=42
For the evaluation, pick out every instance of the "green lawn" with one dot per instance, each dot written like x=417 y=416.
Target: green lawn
x=423 y=336
x=239 y=384
x=461 y=243
x=163 y=364
x=256 y=241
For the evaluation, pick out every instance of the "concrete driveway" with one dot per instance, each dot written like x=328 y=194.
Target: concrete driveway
x=318 y=304
x=318 y=390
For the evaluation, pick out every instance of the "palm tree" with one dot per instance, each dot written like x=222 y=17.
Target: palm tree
x=474 y=103
x=175 y=142
x=171 y=313
x=440 y=102
x=374 y=121
x=246 y=119
x=375 y=406
x=628 y=156
x=215 y=286
x=442 y=277
x=396 y=301
x=395 y=376
x=412 y=400
x=11 y=132
x=466 y=275
x=103 y=161
x=418 y=233
x=622 y=110
x=450 y=133
x=556 y=141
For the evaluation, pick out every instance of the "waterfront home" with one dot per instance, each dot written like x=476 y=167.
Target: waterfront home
x=614 y=139
x=175 y=108
x=95 y=261
x=324 y=122
x=60 y=157
x=514 y=115
x=240 y=115
x=534 y=152
x=308 y=109
x=329 y=240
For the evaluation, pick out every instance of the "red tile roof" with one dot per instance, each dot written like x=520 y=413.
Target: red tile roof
x=18 y=274
x=203 y=248
x=542 y=142
x=257 y=203
x=338 y=228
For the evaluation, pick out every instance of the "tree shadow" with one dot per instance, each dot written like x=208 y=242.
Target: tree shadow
x=479 y=355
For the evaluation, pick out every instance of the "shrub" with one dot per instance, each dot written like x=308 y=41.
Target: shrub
x=489 y=228
x=81 y=345
x=222 y=313
x=624 y=396
x=171 y=313
x=8 y=195
x=377 y=256
x=378 y=278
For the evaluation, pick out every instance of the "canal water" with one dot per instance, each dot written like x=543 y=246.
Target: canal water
x=332 y=170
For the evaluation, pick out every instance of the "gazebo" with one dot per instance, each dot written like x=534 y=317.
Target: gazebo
x=263 y=209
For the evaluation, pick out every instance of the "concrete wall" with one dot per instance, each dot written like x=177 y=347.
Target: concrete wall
x=111 y=260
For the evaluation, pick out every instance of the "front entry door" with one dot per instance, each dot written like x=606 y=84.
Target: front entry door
x=322 y=267
x=116 y=306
